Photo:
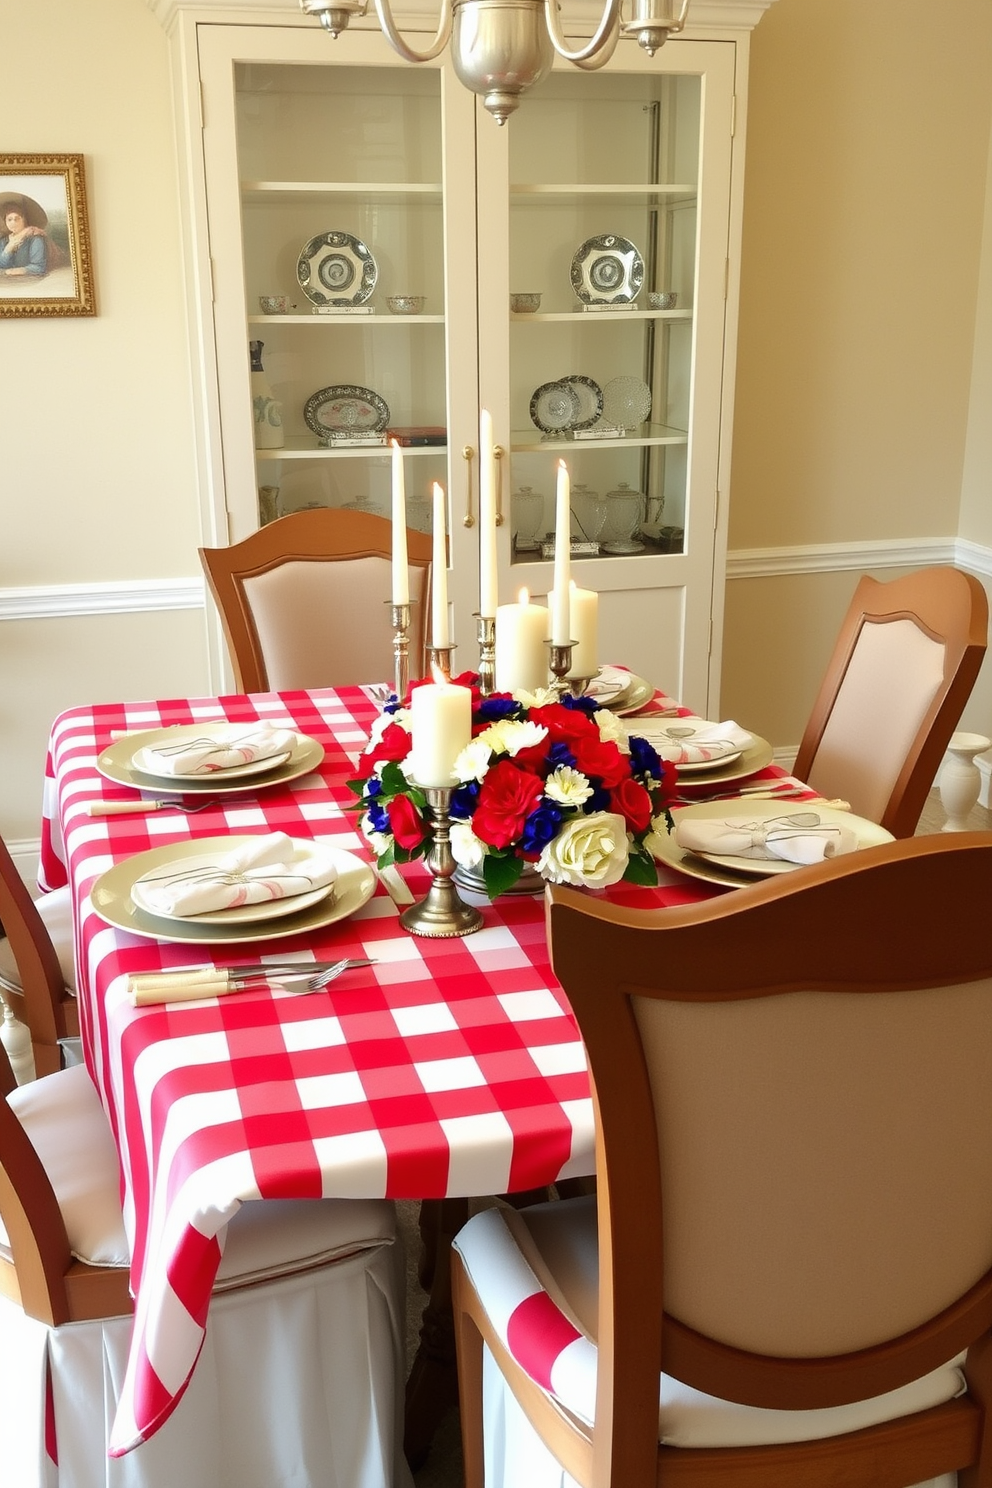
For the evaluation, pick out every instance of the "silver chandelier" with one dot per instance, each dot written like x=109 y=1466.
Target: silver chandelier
x=501 y=47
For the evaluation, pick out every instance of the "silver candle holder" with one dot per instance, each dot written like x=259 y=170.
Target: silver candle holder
x=439 y=660
x=443 y=914
x=560 y=664
x=400 y=617
x=487 y=653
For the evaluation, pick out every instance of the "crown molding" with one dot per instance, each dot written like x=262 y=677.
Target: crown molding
x=704 y=15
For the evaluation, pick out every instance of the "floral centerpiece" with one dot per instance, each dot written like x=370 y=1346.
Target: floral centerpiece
x=557 y=784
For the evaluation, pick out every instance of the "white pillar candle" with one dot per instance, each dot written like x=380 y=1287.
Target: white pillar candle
x=560 y=633
x=441 y=726
x=488 y=584
x=584 y=618
x=439 y=573
x=401 y=572
x=521 y=646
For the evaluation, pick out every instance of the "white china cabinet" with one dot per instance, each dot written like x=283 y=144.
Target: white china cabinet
x=603 y=189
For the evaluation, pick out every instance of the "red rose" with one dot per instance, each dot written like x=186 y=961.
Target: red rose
x=631 y=801
x=405 y=822
x=394 y=745
x=566 y=724
x=507 y=798
x=601 y=758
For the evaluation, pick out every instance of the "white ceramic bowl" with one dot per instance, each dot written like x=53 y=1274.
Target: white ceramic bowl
x=274 y=304
x=406 y=304
x=525 y=304
x=664 y=299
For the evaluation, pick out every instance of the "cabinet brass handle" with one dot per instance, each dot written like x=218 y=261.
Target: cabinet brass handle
x=498 y=453
x=468 y=455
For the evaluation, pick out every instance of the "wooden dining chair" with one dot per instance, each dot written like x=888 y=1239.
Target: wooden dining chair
x=902 y=669
x=793 y=1240
x=300 y=1375
x=37 y=966
x=305 y=600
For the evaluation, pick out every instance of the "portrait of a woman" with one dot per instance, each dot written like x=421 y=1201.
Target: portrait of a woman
x=26 y=250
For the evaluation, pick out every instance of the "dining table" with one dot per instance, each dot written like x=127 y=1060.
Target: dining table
x=446 y=1068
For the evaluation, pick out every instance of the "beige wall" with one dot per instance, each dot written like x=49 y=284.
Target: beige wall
x=95 y=419
x=976 y=490
x=867 y=165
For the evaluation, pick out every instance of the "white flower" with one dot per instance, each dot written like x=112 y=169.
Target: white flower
x=612 y=729
x=656 y=836
x=589 y=852
x=567 y=786
x=466 y=848
x=382 y=722
x=539 y=699
x=509 y=736
x=377 y=841
x=473 y=762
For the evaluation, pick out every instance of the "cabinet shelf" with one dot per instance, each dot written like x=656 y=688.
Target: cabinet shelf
x=357 y=191
x=529 y=440
x=653 y=194
x=601 y=317
x=378 y=318
x=303 y=449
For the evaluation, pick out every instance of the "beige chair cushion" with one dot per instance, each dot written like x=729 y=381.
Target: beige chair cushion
x=56 y=912
x=67 y=1126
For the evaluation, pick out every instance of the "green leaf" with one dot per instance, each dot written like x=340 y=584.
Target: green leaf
x=500 y=873
x=387 y=858
x=394 y=782
x=641 y=870
x=357 y=786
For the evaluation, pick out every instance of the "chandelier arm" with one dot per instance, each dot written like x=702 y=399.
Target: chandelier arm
x=583 y=56
x=590 y=64
x=392 y=35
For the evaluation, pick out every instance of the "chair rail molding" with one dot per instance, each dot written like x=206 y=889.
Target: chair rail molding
x=135 y=596
x=909 y=552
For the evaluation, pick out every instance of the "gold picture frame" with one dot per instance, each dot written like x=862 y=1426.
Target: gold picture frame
x=47 y=268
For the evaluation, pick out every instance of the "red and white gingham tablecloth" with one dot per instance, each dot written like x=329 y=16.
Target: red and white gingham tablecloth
x=450 y=1068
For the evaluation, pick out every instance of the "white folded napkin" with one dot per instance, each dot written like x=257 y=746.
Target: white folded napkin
x=222 y=749
x=800 y=837
x=267 y=868
x=692 y=741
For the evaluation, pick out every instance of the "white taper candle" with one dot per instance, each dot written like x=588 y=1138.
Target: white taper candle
x=488 y=583
x=560 y=621
x=401 y=572
x=439 y=572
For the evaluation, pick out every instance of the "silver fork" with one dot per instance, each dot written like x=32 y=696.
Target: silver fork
x=322 y=978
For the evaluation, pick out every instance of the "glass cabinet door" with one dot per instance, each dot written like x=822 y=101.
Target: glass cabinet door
x=330 y=233
x=615 y=187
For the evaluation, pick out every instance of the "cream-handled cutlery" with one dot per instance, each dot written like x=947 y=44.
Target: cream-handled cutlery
x=125 y=808
x=189 y=984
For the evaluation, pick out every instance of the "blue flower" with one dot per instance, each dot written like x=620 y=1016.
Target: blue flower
x=644 y=758
x=598 y=801
x=393 y=704
x=373 y=787
x=559 y=754
x=540 y=827
x=491 y=709
x=464 y=800
x=580 y=704
x=379 y=818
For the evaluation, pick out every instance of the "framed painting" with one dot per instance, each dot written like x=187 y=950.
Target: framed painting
x=45 y=264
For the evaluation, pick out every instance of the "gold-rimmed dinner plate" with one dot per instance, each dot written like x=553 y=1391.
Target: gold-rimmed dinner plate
x=753 y=758
x=116 y=763
x=736 y=872
x=682 y=731
x=111 y=898
x=618 y=690
x=242 y=914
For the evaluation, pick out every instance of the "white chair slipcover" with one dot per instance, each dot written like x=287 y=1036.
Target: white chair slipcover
x=300 y=1379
